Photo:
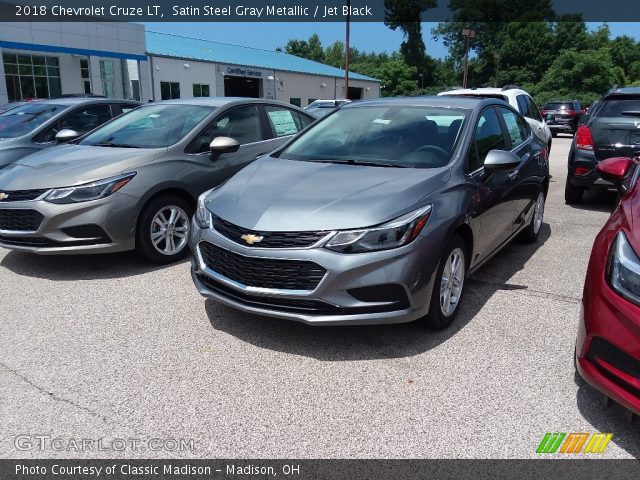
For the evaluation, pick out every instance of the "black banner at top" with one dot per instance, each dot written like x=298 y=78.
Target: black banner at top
x=318 y=10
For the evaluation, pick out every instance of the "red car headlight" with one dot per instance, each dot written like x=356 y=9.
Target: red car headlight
x=624 y=269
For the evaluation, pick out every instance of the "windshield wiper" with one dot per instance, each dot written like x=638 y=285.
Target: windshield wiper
x=357 y=162
x=116 y=145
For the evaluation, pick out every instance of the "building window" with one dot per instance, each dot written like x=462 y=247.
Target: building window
x=135 y=89
x=296 y=101
x=107 y=76
x=86 y=78
x=200 y=90
x=31 y=76
x=169 y=90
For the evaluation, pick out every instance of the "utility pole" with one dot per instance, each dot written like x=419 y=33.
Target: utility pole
x=468 y=34
x=346 y=54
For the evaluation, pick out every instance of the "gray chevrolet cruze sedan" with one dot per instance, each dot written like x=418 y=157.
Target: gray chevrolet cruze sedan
x=376 y=214
x=133 y=183
x=32 y=126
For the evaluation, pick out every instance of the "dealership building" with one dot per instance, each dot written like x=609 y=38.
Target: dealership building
x=122 y=60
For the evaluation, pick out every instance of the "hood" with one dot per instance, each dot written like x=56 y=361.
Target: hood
x=69 y=165
x=274 y=194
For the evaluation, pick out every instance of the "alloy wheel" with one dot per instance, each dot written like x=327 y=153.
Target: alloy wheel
x=452 y=282
x=538 y=214
x=170 y=230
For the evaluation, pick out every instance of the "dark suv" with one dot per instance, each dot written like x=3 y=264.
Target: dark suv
x=562 y=116
x=612 y=129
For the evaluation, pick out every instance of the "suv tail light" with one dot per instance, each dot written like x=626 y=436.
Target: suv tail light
x=584 y=140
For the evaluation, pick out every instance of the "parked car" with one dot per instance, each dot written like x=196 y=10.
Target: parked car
x=612 y=129
x=33 y=126
x=133 y=183
x=518 y=99
x=608 y=340
x=562 y=116
x=320 y=108
x=375 y=214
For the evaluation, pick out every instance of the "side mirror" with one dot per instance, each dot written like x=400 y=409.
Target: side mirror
x=614 y=169
x=550 y=117
x=220 y=145
x=66 y=135
x=501 y=160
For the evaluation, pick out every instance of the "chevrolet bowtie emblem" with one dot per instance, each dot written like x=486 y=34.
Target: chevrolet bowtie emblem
x=250 y=238
x=4 y=196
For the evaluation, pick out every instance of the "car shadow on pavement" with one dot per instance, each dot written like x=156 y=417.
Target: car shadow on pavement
x=597 y=201
x=78 y=267
x=613 y=419
x=352 y=343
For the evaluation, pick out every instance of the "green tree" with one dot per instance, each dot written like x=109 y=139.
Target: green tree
x=310 y=49
x=407 y=15
x=397 y=77
x=570 y=32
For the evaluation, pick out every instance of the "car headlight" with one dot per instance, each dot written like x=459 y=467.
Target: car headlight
x=396 y=233
x=89 y=191
x=202 y=217
x=624 y=269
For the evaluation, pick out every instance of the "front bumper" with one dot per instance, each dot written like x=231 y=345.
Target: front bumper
x=411 y=267
x=608 y=345
x=99 y=226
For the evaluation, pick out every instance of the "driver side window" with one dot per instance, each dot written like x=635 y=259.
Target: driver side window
x=488 y=136
x=241 y=124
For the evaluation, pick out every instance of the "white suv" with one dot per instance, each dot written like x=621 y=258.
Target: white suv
x=518 y=99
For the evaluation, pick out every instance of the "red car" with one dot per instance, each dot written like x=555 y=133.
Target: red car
x=608 y=341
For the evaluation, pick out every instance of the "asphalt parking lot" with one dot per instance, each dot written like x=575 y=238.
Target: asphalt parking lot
x=108 y=347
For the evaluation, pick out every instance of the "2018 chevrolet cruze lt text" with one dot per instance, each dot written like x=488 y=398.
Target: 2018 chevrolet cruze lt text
x=375 y=214
x=133 y=183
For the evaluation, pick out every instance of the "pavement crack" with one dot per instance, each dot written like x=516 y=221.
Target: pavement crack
x=525 y=290
x=52 y=395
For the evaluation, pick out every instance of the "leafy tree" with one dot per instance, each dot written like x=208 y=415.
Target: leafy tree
x=310 y=49
x=397 y=77
x=407 y=15
x=570 y=32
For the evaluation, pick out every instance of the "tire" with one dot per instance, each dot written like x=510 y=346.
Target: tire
x=531 y=232
x=437 y=318
x=572 y=194
x=554 y=134
x=159 y=239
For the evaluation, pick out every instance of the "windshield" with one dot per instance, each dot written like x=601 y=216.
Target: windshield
x=420 y=137
x=152 y=126
x=26 y=118
x=558 y=106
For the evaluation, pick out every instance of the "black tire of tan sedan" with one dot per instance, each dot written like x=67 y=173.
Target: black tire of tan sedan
x=437 y=319
x=572 y=194
x=163 y=229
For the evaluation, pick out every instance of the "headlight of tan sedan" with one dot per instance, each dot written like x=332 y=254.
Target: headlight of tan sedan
x=89 y=191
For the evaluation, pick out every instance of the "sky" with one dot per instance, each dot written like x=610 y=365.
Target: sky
x=365 y=36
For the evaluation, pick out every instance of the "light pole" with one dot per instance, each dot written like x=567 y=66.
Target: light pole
x=468 y=34
x=346 y=53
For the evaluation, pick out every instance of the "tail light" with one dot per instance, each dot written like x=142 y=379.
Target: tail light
x=582 y=170
x=584 y=140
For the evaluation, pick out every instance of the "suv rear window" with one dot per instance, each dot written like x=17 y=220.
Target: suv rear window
x=559 y=106
x=620 y=107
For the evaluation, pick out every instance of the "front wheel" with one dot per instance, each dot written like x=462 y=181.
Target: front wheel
x=531 y=232
x=448 y=286
x=163 y=229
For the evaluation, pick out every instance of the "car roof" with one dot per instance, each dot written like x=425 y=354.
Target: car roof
x=452 y=101
x=484 y=91
x=623 y=91
x=220 y=101
x=74 y=101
